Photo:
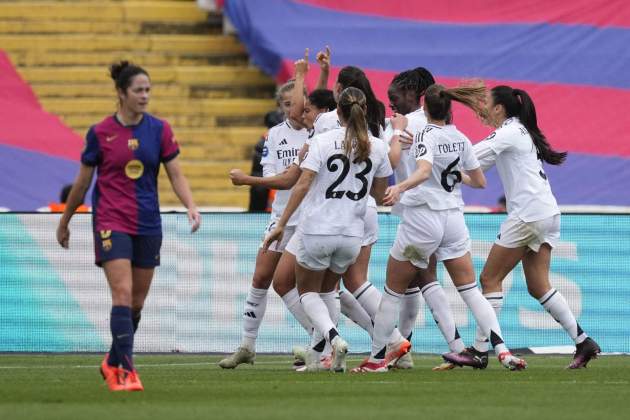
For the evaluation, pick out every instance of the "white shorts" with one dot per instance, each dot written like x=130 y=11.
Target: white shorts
x=516 y=233
x=424 y=232
x=286 y=237
x=370 y=235
x=321 y=252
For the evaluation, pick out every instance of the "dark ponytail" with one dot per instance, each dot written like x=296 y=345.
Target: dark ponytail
x=123 y=72
x=351 y=76
x=517 y=103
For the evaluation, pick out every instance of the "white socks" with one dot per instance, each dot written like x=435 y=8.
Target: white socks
x=409 y=307
x=255 y=306
x=496 y=301
x=385 y=323
x=370 y=298
x=559 y=309
x=437 y=302
x=292 y=301
x=484 y=315
x=352 y=309
x=317 y=312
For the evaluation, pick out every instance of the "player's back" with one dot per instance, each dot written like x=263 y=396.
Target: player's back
x=450 y=152
x=337 y=200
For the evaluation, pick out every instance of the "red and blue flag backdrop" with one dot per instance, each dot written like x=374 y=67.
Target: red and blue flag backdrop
x=38 y=153
x=572 y=56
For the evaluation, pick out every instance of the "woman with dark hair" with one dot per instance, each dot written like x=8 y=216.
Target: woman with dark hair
x=127 y=149
x=336 y=178
x=518 y=148
x=405 y=94
x=433 y=222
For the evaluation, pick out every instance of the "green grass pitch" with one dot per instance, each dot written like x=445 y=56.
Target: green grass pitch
x=192 y=386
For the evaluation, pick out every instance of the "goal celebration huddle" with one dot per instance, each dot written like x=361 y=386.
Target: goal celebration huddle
x=324 y=220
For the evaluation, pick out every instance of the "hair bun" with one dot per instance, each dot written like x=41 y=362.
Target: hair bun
x=117 y=68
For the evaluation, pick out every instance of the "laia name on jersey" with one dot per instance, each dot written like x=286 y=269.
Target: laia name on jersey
x=451 y=147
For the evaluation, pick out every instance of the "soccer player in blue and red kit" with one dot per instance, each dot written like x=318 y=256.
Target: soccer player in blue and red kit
x=127 y=149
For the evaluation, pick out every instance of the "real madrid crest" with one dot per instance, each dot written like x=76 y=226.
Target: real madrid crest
x=133 y=144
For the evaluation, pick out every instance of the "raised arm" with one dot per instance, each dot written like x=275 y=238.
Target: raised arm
x=323 y=58
x=297 y=97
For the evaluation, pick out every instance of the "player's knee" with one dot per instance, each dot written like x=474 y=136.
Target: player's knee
x=121 y=297
x=261 y=280
x=281 y=288
x=487 y=281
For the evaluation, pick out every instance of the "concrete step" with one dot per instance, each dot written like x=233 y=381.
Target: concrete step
x=66 y=27
x=81 y=122
x=173 y=44
x=219 y=198
x=183 y=107
x=101 y=90
x=187 y=75
x=126 y=11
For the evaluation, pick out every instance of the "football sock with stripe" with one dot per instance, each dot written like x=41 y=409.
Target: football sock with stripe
x=496 y=301
x=385 y=323
x=484 y=315
x=558 y=308
x=437 y=302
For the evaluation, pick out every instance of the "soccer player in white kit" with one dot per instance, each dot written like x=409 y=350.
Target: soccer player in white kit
x=405 y=93
x=282 y=146
x=337 y=176
x=433 y=222
x=518 y=148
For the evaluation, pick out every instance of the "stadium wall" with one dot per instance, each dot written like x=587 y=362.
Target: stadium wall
x=56 y=300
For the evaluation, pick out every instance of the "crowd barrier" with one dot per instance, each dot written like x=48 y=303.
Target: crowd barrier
x=56 y=300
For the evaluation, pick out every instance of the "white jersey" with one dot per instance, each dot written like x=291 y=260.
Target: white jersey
x=329 y=121
x=449 y=151
x=527 y=190
x=336 y=202
x=281 y=148
x=326 y=121
x=416 y=121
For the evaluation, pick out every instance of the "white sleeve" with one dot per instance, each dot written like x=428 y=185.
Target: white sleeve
x=500 y=141
x=484 y=154
x=313 y=160
x=267 y=161
x=470 y=161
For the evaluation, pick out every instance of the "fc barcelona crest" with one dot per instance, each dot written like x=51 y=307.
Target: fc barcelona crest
x=133 y=144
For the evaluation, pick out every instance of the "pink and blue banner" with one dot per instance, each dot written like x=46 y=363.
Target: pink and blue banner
x=38 y=153
x=571 y=56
